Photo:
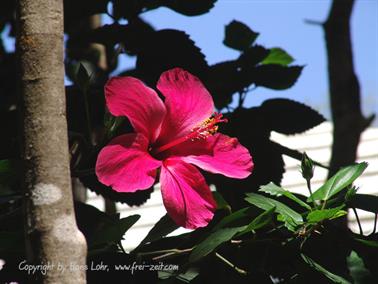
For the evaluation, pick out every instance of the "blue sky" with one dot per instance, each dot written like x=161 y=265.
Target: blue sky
x=282 y=24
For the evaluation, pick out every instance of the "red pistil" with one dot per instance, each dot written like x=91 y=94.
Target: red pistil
x=205 y=129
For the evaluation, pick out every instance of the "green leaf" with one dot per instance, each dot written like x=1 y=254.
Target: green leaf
x=365 y=202
x=331 y=276
x=260 y=221
x=10 y=174
x=5 y=166
x=112 y=123
x=162 y=228
x=239 y=36
x=213 y=241
x=343 y=178
x=278 y=56
x=114 y=232
x=233 y=218
x=221 y=202
x=290 y=224
x=373 y=244
x=83 y=77
x=357 y=269
x=189 y=274
x=275 y=190
x=266 y=203
x=317 y=216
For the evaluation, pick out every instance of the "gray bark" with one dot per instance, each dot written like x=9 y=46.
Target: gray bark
x=51 y=231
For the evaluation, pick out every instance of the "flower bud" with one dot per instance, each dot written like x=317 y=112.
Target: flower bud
x=307 y=167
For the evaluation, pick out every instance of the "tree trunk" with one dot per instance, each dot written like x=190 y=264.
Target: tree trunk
x=348 y=121
x=51 y=230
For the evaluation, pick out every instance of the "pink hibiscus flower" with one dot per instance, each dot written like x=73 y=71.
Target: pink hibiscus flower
x=173 y=135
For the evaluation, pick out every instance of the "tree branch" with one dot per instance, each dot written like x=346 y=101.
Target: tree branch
x=348 y=121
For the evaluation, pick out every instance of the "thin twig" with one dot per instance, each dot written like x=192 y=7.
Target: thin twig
x=179 y=252
x=358 y=221
x=164 y=253
x=375 y=223
x=237 y=269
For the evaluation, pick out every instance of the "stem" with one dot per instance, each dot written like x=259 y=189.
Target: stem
x=375 y=223
x=309 y=189
x=358 y=221
x=165 y=253
x=179 y=252
x=237 y=269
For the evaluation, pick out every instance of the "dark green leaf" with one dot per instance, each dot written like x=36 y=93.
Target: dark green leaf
x=112 y=123
x=344 y=177
x=277 y=77
x=5 y=166
x=331 y=276
x=115 y=231
x=221 y=202
x=357 y=269
x=83 y=77
x=188 y=7
x=233 y=218
x=213 y=241
x=188 y=275
x=365 y=202
x=278 y=56
x=239 y=36
x=266 y=203
x=252 y=56
x=373 y=244
x=260 y=221
x=317 y=216
x=162 y=228
x=289 y=117
x=275 y=190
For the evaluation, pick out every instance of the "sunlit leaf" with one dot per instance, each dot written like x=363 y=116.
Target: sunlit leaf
x=266 y=203
x=278 y=56
x=317 y=216
x=344 y=177
x=275 y=190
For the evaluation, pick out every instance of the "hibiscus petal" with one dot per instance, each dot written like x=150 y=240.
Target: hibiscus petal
x=128 y=96
x=218 y=154
x=125 y=165
x=187 y=101
x=186 y=195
